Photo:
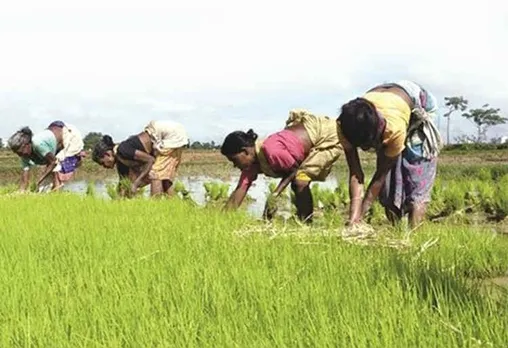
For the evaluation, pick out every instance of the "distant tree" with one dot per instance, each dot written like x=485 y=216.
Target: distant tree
x=1 y=143
x=453 y=104
x=91 y=139
x=196 y=145
x=484 y=118
x=495 y=140
x=465 y=139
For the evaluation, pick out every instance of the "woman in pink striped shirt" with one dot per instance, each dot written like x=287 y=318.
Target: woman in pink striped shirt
x=303 y=152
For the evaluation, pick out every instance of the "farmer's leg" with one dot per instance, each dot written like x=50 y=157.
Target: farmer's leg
x=392 y=192
x=393 y=216
x=419 y=177
x=174 y=164
x=57 y=184
x=156 y=188
x=416 y=214
x=167 y=187
x=164 y=169
x=303 y=197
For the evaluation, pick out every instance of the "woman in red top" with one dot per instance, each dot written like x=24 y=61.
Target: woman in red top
x=303 y=152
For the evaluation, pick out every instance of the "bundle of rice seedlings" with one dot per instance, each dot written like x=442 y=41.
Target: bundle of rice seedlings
x=181 y=190
x=216 y=191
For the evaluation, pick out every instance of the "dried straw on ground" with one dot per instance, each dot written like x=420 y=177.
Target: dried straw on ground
x=362 y=234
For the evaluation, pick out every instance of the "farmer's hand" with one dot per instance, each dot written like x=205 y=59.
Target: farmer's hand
x=268 y=213
x=134 y=188
x=270 y=207
x=354 y=220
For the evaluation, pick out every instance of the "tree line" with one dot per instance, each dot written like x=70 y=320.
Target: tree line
x=483 y=118
x=93 y=138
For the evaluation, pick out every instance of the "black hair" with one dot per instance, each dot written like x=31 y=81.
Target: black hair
x=104 y=145
x=26 y=131
x=236 y=141
x=20 y=138
x=359 y=122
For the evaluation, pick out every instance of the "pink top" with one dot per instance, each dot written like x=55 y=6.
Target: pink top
x=283 y=151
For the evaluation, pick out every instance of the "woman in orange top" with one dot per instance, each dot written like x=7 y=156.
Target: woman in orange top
x=405 y=168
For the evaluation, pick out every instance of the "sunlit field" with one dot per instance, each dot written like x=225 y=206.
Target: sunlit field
x=80 y=270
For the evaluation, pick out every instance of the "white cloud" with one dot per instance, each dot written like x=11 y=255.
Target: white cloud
x=111 y=65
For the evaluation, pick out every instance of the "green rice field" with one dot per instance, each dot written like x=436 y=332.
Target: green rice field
x=82 y=271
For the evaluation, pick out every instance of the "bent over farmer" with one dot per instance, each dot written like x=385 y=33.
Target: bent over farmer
x=304 y=151
x=150 y=157
x=395 y=119
x=59 y=148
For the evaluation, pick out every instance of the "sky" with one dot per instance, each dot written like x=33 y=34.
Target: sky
x=220 y=66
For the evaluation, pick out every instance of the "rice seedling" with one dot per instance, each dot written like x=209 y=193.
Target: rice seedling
x=376 y=214
x=484 y=174
x=486 y=194
x=8 y=189
x=112 y=190
x=501 y=201
x=454 y=198
x=90 y=189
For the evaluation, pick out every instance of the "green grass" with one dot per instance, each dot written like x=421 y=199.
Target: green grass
x=78 y=271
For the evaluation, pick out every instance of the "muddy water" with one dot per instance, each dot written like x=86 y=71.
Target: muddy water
x=194 y=184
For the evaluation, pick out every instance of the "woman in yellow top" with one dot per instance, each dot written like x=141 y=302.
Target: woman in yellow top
x=395 y=120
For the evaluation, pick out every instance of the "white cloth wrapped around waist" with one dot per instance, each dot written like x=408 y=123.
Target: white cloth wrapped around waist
x=422 y=131
x=72 y=142
x=167 y=134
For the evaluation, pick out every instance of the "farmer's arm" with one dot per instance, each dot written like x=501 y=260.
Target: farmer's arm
x=51 y=164
x=25 y=179
x=247 y=177
x=281 y=162
x=386 y=158
x=122 y=191
x=237 y=197
x=383 y=167
x=356 y=182
x=284 y=183
x=270 y=202
x=123 y=174
x=148 y=161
